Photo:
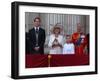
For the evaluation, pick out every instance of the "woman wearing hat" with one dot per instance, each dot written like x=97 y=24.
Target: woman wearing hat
x=56 y=41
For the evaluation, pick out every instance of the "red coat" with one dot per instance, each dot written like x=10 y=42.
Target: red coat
x=79 y=49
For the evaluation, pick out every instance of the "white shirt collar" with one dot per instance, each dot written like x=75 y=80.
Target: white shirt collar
x=36 y=28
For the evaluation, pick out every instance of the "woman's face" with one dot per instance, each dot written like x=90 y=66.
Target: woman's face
x=56 y=31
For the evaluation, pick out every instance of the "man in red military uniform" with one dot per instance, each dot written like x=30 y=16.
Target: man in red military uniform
x=79 y=41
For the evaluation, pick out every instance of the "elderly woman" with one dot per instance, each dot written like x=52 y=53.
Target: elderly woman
x=56 y=41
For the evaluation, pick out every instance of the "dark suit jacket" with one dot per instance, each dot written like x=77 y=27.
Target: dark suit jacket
x=41 y=41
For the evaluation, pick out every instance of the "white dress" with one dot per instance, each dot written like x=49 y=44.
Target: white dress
x=60 y=40
x=69 y=48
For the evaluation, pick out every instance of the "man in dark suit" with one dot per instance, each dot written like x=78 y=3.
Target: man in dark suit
x=37 y=37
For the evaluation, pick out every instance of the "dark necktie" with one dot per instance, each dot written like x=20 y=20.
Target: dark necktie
x=37 y=31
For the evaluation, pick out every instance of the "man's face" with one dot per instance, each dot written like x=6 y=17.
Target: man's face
x=37 y=23
x=79 y=28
